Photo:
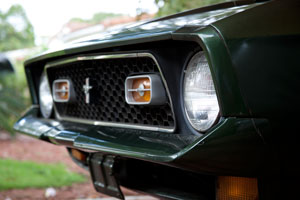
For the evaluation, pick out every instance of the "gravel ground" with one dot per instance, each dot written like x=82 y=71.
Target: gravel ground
x=27 y=148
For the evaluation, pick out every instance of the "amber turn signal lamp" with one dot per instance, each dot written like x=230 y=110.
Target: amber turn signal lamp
x=141 y=90
x=78 y=155
x=145 y=90
x=237 y=188
x=61 y=90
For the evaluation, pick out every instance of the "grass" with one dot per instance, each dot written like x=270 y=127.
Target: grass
x=26 y=174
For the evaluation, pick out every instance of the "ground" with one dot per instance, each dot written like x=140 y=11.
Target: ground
x=27 y=148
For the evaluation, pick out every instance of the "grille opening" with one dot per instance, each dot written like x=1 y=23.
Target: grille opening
x=108 y=78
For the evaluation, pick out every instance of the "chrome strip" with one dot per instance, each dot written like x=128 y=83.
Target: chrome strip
x=29 y=108
x=164 y=81
x=113 y=124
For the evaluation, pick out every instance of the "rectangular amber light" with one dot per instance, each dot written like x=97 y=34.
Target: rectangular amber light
x=141 y=89
x=78 y=155
x=61 y=90
x=145 y=90
x=237 y=188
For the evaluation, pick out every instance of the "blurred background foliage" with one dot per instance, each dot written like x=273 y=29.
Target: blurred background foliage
x=16 y=32
x=168 y=7
x=14 y=97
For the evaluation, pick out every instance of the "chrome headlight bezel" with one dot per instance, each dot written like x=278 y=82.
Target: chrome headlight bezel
x=213 y=110
x=45 y=97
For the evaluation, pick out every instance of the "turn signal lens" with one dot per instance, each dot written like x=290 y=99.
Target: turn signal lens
x=61 y=90
x=145 y=90
x=78 y=155
x=237 y=188
x=141 y=89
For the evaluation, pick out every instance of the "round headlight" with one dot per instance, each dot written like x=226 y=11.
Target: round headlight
x=200 y=99
x=45 y=97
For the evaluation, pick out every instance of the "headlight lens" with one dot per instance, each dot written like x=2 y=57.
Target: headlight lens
x=46 y=101
x=200 y=99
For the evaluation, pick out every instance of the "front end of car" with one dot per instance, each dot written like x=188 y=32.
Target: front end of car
x=157 y=109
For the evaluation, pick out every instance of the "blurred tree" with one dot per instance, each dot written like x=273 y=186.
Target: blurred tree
x=167 y=7
x=140 y=11
x=16 y=30
x=12 y=101
x=14 y=94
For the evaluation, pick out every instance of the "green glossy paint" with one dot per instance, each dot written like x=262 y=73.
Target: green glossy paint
x=253 y=52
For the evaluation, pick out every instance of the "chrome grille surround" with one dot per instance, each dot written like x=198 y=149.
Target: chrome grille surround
x=57 y=64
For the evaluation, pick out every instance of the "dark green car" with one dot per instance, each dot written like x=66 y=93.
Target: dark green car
x=202 y=104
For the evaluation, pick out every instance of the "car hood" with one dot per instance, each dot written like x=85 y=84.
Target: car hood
x=168 y=24
x=146 y=31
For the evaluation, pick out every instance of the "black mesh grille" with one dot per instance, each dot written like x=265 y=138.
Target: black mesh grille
x=107 y=76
